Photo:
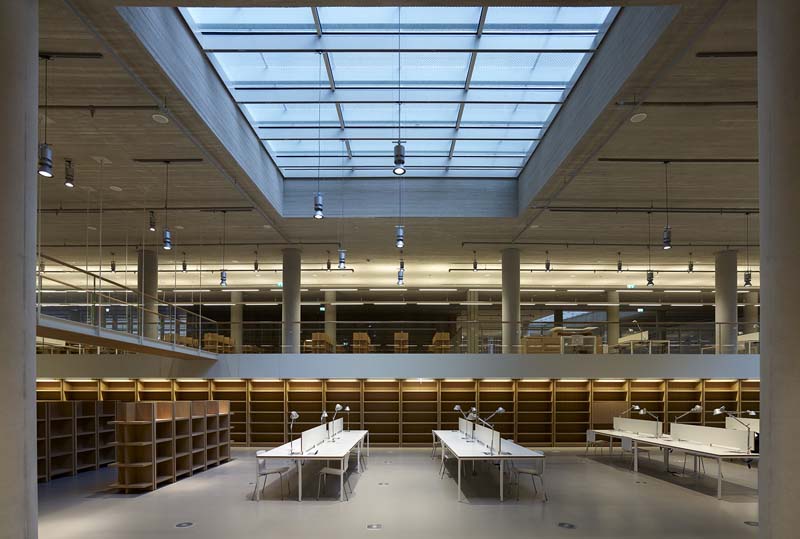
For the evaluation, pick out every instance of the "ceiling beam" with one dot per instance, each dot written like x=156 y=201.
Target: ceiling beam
x=539 y=95
x=671 y=160
x=409 y=133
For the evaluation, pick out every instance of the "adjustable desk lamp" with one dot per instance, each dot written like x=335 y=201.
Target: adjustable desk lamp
x=695 y=409
x=336 y=409
x=643 y=411
x=347 y=411
x=500 y=410
x=721 y=410
x=293 y=416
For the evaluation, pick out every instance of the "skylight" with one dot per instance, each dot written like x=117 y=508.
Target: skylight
x=474 y=89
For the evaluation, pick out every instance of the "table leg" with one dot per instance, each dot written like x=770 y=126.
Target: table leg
x=635 y=456
x=666 y=458
x=694 y=458
x=459 y=479
x=719 y=479
x=341 y=483
x=501 y=480
x=299 y=480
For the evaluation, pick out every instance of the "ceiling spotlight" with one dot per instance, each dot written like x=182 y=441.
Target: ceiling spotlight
x=399 y=159
x=650 y=278
x=691 y=264
x=223 y=278
x=619 y=262
x=183 y=264
x=45 y=160
x=113 y=264
x=152 y=226
x=328 y=262
x=639 y=117
x=318 y=206
x=667 y=238
x=255 y=263
x=167 y=240
x=547 y=265
x=474 y=261
x=69 y=173
x=400 y=273
x=160 y=118
x=748 y=278
x=399 y=237
x=342 y=254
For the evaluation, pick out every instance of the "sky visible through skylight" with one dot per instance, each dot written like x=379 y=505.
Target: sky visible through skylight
x=474 y=89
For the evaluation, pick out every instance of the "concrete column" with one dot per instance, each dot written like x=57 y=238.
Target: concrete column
x=291 y=301
x=511 y=316
x=330 y=317
x=19 y=47
x=237 y=312
x=779 y=198
x=147 y=284
x=750 y=319
x=473 y=328
x=612 y=317
x=725 y=314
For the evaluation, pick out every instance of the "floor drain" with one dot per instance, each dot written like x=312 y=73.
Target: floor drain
x=387 y=461
x=641 y=482
x=383 y=484
x=184 y=524
x=753 y=523
x=374 y=526
x=566 y=525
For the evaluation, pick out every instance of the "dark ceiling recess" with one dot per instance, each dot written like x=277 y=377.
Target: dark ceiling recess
x=726 y=54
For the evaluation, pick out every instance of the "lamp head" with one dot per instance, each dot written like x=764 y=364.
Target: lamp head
x=750 y=412
x=636 y=407
x=696 y=408
x=347 y=408
x=294 y=416
x=338 y=408
x=642 y=411
x=473 y=410
x=324 y=415
x=457 y=408
x=500 y=410
x=720 y=410
x=471 y=416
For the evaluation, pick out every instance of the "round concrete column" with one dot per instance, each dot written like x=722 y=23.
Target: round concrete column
x=612 y=317
x=237 y=315
x=750 y=315
x=511 y=317
x=330 y=317
x=147 y=281
x=473 y=327
x=19 y=47
x=291 y=301
x=779 y=198
x=725 y=316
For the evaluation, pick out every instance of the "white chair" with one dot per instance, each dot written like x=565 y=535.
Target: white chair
x=262 y=470
x=627 y=445
x=336 y=472
x=434 y=444
x=534 y=469
x=702 y=465
x=592 y=441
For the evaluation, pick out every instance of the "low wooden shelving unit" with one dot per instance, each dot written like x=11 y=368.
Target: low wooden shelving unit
x=161 y=442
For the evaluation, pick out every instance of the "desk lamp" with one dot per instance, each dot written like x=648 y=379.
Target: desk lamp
x=336 y=409
x=347 y=411
x=472 y=416
x=695 y=409
x=500 y=410
x=643 y=411
x=293 y=416
x=721 y=410
x=457 y=408
x=634 y=408
x=323 y=417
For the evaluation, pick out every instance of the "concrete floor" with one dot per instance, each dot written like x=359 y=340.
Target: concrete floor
x=601 y=496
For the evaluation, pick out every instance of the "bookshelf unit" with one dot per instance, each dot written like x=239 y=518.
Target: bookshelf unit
x=85 y=435
x=498 y=392
x=60 y=439
x=118 y=390
x=382 y=411
x=183 y=439
x=573 y=413
x=192 y=390
x=267 y=412
x=49 y=390
x=346 y=393
x=749 y=395
x=41 y=442
x=420 y=410
x=81 y=390
x=718 y=393
x=452 y=392
x=106 y=441
x=234 y=391
x=649 y=394
x=534 y=413
x=306 y=398
x=198 y=430
x=682 y=395
x=609 y=398
x=155 y=389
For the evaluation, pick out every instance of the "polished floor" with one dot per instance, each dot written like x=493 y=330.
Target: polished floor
x=400 y=495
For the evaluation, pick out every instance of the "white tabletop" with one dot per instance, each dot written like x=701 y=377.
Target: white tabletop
x=682 y=445
x=464 y=449
x=327 y=450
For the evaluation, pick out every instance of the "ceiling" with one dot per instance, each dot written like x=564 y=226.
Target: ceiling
x=701 y=118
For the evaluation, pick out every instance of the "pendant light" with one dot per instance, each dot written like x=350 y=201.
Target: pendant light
x=547 y=265
x=318 y=213
x=691 y=264
x=167 y=243
x=328 y=262
x=748 y=274
x=342 y=255
x=69 y=174
x=255 y=262
x=619 y=262
x=45 y=167
x=474 y=260
x=113 y=264
x=401 y=272
x=650 y=281
x=223 y=274
x=399 y=150
x=183 y=264
x=152 y=226
x=666 y=239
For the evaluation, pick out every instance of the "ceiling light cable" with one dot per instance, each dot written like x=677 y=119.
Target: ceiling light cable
x=318 y=213
x=748 y=274
x=667 y=237
x=399 y=149
x=45 y=166
x=650 y=281
x=167 y=244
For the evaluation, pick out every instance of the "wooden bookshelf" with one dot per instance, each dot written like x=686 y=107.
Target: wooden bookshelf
x=382 y=411
x=192 y=390
x=106 y=439
x=182 y=432
x=534 y=412
x=451 y=393
x=155 y=389
x=749 y=395
x=41 y=442
x=498 y=392
x=609 y=398
x=420 y=410
x=717 y=393
x=49 y=390
x=267 y=413
x=346 y=393
x=118 y=390
x=306 y=398
x=81 y=390
x=682 y=395
x=198 y=430
x=234 y=391
x=573 y=412
x=650 y=394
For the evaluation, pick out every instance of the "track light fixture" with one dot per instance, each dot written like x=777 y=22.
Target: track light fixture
x=474 y=261
x=619 y=262
x=183 y=264
x=318 y=213
x=223 y=274
x=399 y=237
x=401 y=272
x=666 y=239
x=318 y=206
x=152 y=225
x=69 y=173
x=113 y=264
x=328 y=262
x=167 y=240
x=342 y=263
x=690 y=269
x=255 y=263
x=399 y=159
x=748 y=278
x=45 y=167
x=748 y=275
x=223 y=278
x=650 y=278
x=547 y=264
x=399 y=150
x=649 y=251
x=167 y=243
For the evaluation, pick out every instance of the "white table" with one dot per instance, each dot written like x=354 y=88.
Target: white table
x=474 y=450
x=667 y=443
x=327 y=450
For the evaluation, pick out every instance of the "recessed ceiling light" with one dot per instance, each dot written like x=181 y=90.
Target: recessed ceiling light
x=160 y=118
x=638 y=117
x=267 y=226
x=90 y=227
x=178 y=227
x=115 y=188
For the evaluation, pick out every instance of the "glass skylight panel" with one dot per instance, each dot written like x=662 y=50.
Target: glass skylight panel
x=417 y=69
x=412 y=19
x=273 y=69
x=470 y=106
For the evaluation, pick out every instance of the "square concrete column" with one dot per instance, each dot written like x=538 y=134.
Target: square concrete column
x=237 y=315
x=19 y=47
x=612 y=317
x=330 y=316
x=291 y=301
x=147 y=285
x=473 y=327
x=511 y=313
